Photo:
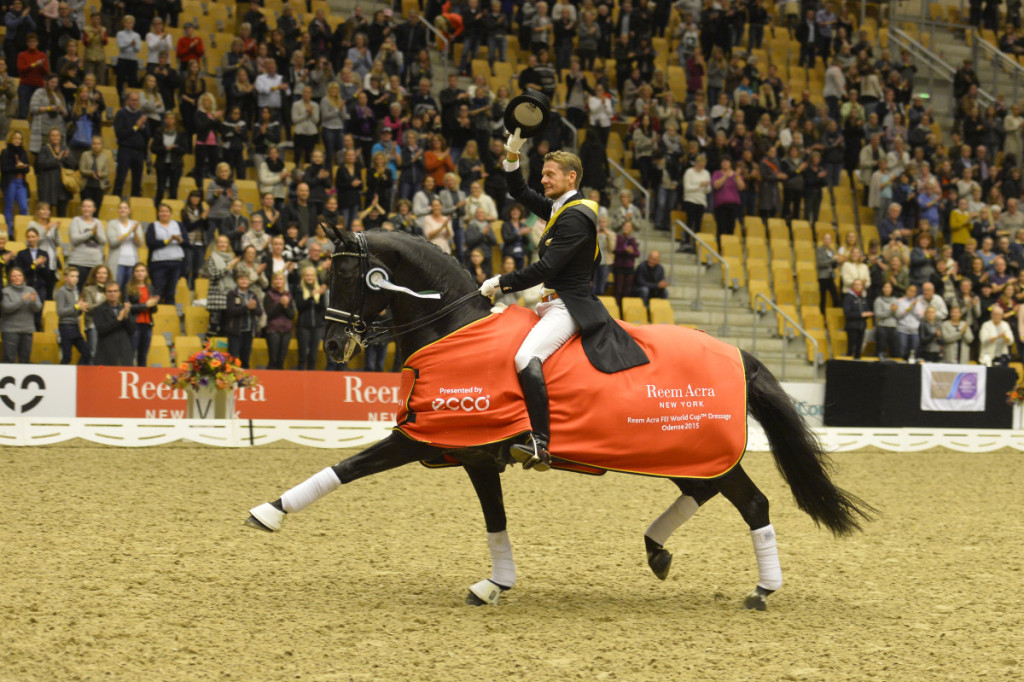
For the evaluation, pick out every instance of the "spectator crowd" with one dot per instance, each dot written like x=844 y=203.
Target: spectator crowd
x=306 y=122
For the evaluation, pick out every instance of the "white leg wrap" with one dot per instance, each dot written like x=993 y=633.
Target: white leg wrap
x=769 y=571
x=503 y=567
x=310 y=490
x=678 y=513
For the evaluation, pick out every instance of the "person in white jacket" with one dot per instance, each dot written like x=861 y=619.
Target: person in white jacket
x=696 y=187
x=996 y=340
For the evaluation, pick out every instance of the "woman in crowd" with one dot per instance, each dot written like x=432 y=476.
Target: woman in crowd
x=273 y=177
x=886 y=342
x=192 y=88
x=437 y=160
x=17 y=322
x=47 y=111
x=124 y=237
x=129 y=46
x=437 y=227
x=305 y=125
x=241 y=319
x=280 y=309
x=84 y=123
x=349 y=186
x=169 y=145
x=311 y=303
x=158 y=41
x=52 y=158
x=195 y=224
x=726 y=187
x=151 y=103
x=956 y=337
x=333 y=115
x=253 y=266
x=142 y=303
x=221 y=191
x=853 y=269
x=14 y=167
x=220 y=267
x=207 y=121
x=93 y=295
x=626 y=250
x=48 y=230
x=87 y=236
x=166 y=241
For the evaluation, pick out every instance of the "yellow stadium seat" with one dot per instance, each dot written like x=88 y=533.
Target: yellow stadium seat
x=260 y=354
x=185 y=347
x=661 y=311
x=633 y=310
x=45 y=349
x=166 y=321
x=197 y=320
x=611 y=306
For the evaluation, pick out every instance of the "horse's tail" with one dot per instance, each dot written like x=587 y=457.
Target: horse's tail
x=799 y=455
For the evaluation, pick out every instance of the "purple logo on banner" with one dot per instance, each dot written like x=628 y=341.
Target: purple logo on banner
x=965 y=386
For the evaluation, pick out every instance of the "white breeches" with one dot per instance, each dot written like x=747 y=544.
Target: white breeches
x=556 y=326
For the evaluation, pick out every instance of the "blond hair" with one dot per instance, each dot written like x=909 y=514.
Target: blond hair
x=568 y=162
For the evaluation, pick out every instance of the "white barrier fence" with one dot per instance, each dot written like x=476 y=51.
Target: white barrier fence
x=18 y=431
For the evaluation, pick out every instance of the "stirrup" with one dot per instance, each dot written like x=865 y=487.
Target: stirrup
x=532 y=455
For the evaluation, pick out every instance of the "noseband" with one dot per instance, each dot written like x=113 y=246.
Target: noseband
x=376 y=279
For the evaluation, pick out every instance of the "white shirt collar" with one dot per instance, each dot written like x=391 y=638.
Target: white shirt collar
x=560 y=201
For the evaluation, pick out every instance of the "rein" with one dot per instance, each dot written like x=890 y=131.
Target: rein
x=376 y=279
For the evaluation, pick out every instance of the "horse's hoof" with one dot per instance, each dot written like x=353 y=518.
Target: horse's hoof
x=473 y=600
x=757 y=600
x=660 y=561
x=485 y=593
x=265 y=517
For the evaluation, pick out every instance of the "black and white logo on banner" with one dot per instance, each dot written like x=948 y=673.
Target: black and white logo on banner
x=38 y=391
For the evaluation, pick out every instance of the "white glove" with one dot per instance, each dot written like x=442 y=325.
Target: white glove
x=490 y=287
x=514 y=143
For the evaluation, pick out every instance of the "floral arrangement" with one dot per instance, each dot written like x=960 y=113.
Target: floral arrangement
x=211 y=366
x=1016 y=396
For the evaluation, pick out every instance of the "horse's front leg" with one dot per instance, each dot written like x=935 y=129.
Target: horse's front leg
x=393 y=451
x=487 y=483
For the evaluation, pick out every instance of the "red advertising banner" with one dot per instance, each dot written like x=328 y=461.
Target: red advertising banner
x=139 y=393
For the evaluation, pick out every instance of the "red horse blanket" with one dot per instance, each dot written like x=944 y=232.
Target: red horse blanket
x=684 y=414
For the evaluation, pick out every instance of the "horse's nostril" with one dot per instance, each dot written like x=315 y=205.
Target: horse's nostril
x=332 y=346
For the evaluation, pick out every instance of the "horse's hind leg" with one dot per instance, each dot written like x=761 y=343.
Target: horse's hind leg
x=695 y=493
x=753 y=507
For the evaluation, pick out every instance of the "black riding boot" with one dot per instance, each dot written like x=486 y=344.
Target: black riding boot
x=534 y=454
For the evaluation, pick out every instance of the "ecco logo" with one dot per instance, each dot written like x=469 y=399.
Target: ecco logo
x=28 y=381
x=466 y=404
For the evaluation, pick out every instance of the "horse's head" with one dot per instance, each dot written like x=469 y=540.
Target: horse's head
x=374 y=271
x=355 y=303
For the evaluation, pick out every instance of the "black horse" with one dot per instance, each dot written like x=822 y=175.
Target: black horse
x=378 y=270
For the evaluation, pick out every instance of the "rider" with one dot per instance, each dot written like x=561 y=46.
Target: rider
x=569 y=257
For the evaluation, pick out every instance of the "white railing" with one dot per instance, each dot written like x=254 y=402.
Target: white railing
x=730 y=282
x=20 y=431
x=787 y=332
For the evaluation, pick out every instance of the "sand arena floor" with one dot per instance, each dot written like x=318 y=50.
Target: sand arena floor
x=134 y=565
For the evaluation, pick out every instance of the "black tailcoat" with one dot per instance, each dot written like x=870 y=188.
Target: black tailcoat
x=568 y=258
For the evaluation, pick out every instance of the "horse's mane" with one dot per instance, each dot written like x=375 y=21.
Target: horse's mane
x=442 y=271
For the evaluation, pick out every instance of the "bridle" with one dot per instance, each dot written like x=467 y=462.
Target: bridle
x=364 y=332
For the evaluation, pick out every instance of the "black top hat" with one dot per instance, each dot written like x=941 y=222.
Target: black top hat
x=530 y=112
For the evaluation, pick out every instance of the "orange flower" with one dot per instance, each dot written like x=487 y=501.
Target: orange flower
x=215 y=363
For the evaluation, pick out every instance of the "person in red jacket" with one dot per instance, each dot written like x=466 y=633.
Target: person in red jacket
x=33 y=68
x=190 y=47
